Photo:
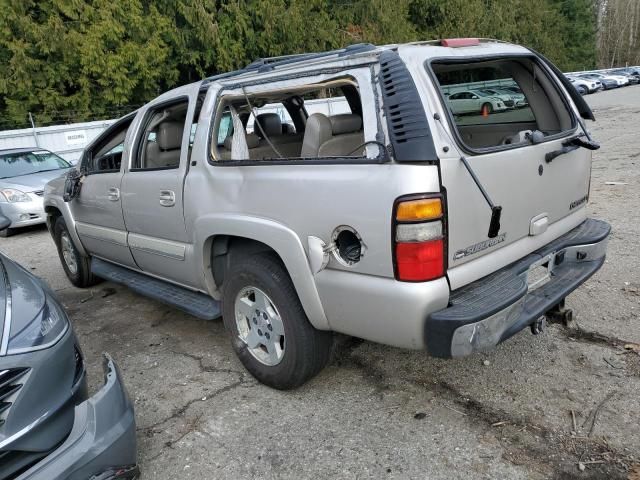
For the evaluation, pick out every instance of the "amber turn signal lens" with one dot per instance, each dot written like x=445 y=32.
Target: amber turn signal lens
x=422 y=209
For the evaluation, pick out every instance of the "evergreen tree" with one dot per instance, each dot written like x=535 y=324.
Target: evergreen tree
x=74 y=60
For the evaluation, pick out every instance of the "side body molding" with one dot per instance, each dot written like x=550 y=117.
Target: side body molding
x=283 y=240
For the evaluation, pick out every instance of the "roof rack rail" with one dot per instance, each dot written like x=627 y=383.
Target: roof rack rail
x=267 y=64
x=260 y=62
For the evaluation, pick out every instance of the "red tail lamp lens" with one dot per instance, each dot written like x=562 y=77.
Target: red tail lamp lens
x=420 y=262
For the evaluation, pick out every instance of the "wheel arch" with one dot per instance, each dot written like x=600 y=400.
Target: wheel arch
x=225 y=237
x=55 y=208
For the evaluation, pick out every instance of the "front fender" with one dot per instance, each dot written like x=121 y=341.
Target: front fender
x=53 y=193
x=284 y=241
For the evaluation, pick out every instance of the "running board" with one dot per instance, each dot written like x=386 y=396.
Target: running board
x=194 y=303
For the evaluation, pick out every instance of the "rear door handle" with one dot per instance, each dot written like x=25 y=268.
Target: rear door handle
x=113 y=194
x=167 y=198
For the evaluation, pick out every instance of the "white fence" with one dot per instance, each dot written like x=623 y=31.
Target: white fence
x=68 y=141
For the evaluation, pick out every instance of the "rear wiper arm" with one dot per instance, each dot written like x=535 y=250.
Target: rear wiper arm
x=571 y=145
x=496 y=210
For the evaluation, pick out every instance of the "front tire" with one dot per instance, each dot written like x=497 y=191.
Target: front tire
x=270 y=331
x=75 y=265
x=486 y=107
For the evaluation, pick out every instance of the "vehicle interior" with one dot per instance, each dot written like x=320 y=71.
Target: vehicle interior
x=107 y=155
x=545 y=110
x=279 y=125
x=161 y=144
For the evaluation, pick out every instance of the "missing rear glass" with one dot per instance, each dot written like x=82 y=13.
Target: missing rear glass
x=501 y=102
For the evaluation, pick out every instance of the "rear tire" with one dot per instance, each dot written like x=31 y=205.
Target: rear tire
x=75 y=265
x=270 y=331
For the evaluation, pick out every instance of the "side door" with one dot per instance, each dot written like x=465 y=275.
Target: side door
x=152 y=187
x=98 y=208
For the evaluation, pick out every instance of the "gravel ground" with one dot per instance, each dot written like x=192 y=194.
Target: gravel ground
x=383 y=412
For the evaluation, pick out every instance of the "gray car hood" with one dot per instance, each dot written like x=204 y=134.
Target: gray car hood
x=33 y=182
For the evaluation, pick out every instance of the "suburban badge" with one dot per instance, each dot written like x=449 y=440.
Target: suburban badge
x=478 y=247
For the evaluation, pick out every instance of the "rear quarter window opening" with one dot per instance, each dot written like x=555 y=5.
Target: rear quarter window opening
x=309 y=121
x=498 y=103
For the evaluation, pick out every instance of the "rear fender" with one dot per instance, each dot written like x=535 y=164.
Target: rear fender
x=284 y=241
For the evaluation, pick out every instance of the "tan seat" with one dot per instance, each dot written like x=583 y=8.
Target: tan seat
x=252 y=143
x=346 y=137
x=335 y=136
x=165 y=151
x=317 y=132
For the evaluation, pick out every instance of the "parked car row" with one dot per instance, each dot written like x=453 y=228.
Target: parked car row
x=591 y=82
x=486 y=100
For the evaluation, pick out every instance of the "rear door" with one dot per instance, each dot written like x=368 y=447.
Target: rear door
x=507 y=150
x=152 y=187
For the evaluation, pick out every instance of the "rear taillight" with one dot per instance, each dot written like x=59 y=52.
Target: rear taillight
x=418 y=233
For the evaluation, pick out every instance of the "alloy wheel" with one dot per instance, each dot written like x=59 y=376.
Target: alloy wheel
x=260 y=326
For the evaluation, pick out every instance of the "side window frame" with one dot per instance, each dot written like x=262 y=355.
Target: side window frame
x=138 y=142
x=88 y=156
x=427 y=65
x=364 y=78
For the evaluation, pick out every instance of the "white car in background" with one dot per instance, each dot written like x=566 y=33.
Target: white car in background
x=584 y=86
x=621 y=80
x=475 y=101
x=23 y=174
x=508 y=98
x=519 y=100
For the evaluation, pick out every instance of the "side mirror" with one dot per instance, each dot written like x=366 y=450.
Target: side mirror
x=72 y=185
x=475 y=97
x=4 y=222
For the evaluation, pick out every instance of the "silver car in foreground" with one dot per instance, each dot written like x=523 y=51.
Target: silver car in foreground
x=23 y=174
x=49 y=428
x=396 y=221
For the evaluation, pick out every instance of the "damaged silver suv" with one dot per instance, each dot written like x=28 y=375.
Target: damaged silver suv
x=349 y=191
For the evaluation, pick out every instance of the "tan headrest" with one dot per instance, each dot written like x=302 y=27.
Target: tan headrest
x=345 y=123
x=169 y=136
x=252 y=141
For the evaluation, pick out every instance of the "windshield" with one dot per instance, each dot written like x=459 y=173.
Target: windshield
x=25 y=163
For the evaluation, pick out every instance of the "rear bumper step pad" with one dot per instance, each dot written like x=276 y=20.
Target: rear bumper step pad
x=492 y=309
x=194 y=303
